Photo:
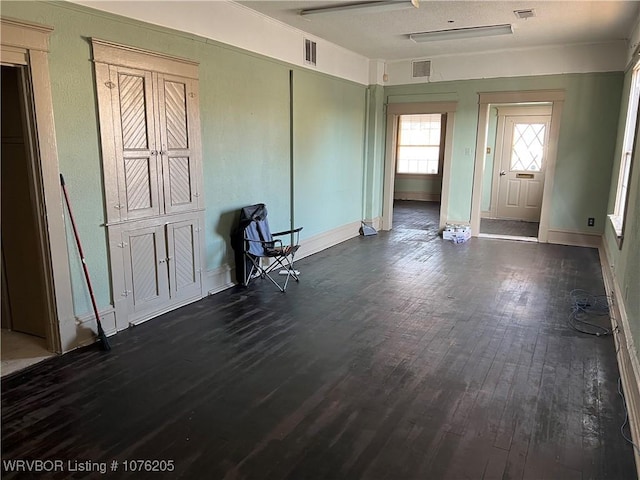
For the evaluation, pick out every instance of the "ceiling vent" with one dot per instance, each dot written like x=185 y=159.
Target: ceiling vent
x=524 y=14
x=309 y=52
x=420 y=68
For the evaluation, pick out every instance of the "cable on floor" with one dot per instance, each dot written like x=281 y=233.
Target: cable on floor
x=584 y=306
x=626 y=417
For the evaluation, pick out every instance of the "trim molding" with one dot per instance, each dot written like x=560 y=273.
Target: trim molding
x=27 y=35
x=87 y=329
x=525 y=111
x=375 y=222
x=522 y=96
x=324 y=240
x=627 y=356
x=113 y=53
x=218 y=279
x=422 y=107
x=161 y=311
x=27 y=44
x=575 y=239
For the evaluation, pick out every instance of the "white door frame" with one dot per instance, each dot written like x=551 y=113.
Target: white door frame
x=25 y=44
x=556 y=98
x=394 y=110
x=503 y=112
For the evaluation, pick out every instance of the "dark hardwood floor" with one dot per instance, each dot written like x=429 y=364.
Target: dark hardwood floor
x=396 y=356
x=509 y=227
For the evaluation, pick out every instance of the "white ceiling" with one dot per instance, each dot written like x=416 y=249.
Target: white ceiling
x=384 y=35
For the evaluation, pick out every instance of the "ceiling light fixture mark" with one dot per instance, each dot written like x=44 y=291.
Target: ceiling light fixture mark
x=365 y=7
x=461 y=33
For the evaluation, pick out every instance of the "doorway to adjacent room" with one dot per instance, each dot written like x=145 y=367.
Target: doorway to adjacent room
x=515 y=173
x=515 y=164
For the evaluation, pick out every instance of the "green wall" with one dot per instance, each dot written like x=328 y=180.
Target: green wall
x=244 y=114
x=426 y=184
x=374 y=152
x=586 y=144
x=329 y=123
x=625 y=260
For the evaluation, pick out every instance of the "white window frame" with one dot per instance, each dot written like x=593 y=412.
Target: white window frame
x=628 y=153
x=443 y=124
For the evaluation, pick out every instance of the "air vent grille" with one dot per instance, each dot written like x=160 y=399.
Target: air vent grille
x=525 y=13
x=421 y=68
x=309 y=52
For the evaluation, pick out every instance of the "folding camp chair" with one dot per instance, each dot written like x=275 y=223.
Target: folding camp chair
x=258 y=254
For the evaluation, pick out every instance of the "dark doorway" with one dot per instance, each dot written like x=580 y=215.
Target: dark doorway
x=24 y=297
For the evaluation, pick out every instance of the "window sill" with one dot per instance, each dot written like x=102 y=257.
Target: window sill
x=616 y=224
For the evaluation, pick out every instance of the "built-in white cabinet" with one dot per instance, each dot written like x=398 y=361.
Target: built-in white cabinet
x=161 y=265
x=156 y=168
x=151 y=152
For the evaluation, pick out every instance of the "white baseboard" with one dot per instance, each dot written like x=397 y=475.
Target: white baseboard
x=575 y=239
x=87 y=327
x=223 y=277
x=218 y=279
x=156 y=313
x=374 y=222
x=422 y=196
x=324 y=240
x=627 y=356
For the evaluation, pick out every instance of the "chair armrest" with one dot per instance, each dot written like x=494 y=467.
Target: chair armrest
x=264 y=242
x=297 y=230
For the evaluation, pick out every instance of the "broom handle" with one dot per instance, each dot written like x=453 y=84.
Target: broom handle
x=84 y=263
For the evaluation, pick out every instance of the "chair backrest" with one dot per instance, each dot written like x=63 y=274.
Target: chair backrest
x=255 y=226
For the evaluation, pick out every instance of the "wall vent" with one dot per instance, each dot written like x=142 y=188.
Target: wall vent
x=525 y=13
x=421 y=68
x=309 y=52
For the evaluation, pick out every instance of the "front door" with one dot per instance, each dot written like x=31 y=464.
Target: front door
x=521 y=174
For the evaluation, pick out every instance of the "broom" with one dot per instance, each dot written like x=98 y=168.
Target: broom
x=102 y=338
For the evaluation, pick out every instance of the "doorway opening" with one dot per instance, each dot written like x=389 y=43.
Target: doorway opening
x=419 y=155
x=514 y=170
x=515 y=164
x=417 y=164
x=26 y=313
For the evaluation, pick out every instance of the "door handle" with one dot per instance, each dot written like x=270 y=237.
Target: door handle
x=502 y=173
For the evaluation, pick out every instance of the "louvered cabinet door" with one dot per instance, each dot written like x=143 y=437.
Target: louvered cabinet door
x=177 y=100
x=135 y=143
x=146 y=274
x=183 y=241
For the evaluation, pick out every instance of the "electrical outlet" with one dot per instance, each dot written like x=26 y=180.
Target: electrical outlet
x=591 y=221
